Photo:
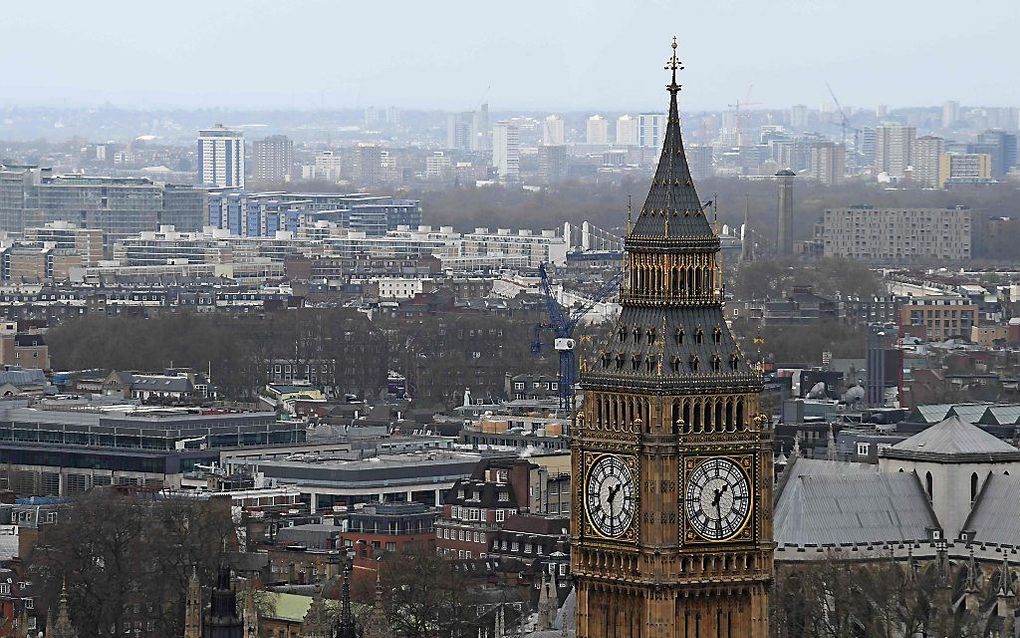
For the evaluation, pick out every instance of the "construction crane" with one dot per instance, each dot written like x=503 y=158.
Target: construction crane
x=844 y=121
x=562 y=325
x=737 y=117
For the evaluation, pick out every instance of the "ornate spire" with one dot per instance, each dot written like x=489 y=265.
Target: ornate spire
x=62 y=627
x=1005 y=578
x=672 y=194
x=377 y=625
x=674 y=65
x=193 y=607
x=345 y=624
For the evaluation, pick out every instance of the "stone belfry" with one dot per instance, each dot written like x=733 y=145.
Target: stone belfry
x=672 y=461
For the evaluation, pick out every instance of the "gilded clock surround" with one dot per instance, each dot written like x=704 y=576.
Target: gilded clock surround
x=666 y=389
x=631 y=532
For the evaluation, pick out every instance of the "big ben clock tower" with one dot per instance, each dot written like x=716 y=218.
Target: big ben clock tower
x=672 y=461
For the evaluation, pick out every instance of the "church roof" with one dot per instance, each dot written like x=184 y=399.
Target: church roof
x=996 y=514
x=833 y=503
x=953 y=441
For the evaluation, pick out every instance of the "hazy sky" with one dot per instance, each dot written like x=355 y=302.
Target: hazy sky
x=523 y=54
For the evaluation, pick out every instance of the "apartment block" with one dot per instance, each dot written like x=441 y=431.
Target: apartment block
x=897 y=235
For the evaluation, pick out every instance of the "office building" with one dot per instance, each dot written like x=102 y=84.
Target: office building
x=784 y=238
x=438 y=165
x=468 y=131
x=928 y=151
x=896 y=235
x=553 y=132
x=31 y=197
x=221 y=157
x=626 y=131
x=506 y=152
x=866 y=139
x=894 y=145
x=65 y=451
x=597 y=131
x=964 y=168
x=1001 y=146
x=328 y=166
x=828 y=162
x=273 y=158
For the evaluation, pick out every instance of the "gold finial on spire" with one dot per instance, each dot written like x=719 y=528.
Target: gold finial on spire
x=673 y=64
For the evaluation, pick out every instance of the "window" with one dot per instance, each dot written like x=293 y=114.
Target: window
x=504 y=496
x=527 y=548
x=473 y=514
x=862 y=448
x=514 y=546
x=500 y=516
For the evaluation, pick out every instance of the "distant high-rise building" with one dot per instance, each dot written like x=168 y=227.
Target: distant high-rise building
x=553 y=132
x=828 y=162
x=651 y=129
x=893 y=146
x=367 y=164
x=552 y=164
x=784 y=238
x=481 y=133
x=881 y=111
x=506 y=152
x=273 y=158
x=893 y=235
x=798 y=117
x=965 y=168
x=328 y=166
x=626 y=131
x=597 y=130
x=866 y=147
x=1002 y=147
x=221 y=157
x=928 y=151
x=458 y=131
x=950 y=113
x=699 y=157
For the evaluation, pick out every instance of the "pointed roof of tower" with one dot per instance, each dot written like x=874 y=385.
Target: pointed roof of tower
x=672 y=208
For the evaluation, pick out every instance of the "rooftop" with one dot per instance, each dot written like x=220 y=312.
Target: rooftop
x=953 y=441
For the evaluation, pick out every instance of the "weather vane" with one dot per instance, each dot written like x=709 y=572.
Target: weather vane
x=672 y=65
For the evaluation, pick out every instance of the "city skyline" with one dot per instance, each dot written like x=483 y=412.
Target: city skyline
x=559 y=59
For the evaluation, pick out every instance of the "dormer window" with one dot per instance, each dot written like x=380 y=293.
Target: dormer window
x=717 y=334
x=694 y=363
x=619 y=360
x=674 y=363
x=637 y=334
x=699 y=335
x=622 y=332
x=605 y=359
x=650 y=364
x=651 y=336
x=635 y=362
x=734 y=360
x=679 y=334
x=716 y=363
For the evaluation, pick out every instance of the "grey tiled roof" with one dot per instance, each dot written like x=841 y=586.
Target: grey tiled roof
x=671 y=356
x=672 y=208
x=953 y=440
x=996 y=514
x=829 y=503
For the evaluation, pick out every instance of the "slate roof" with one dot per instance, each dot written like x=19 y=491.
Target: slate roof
x=161 y=383
x=672 y=209
x=953 y=441
x=832 y=503
x=996 y=514
x=22 y=377
x=671 y=357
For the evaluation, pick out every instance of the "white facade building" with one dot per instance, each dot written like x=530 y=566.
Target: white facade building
x=506 y=150
x=626 y=131
x=553 y=133
x=597 y=131
x=651 y=129
x=221 y=157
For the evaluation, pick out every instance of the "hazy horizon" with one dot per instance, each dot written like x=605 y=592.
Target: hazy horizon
x=574 y=56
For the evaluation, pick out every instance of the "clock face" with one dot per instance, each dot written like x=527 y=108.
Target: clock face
x=718 y=499
x=609 y=496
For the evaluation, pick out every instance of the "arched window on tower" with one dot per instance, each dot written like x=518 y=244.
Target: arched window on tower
x=973 y=487
x=928 y=487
